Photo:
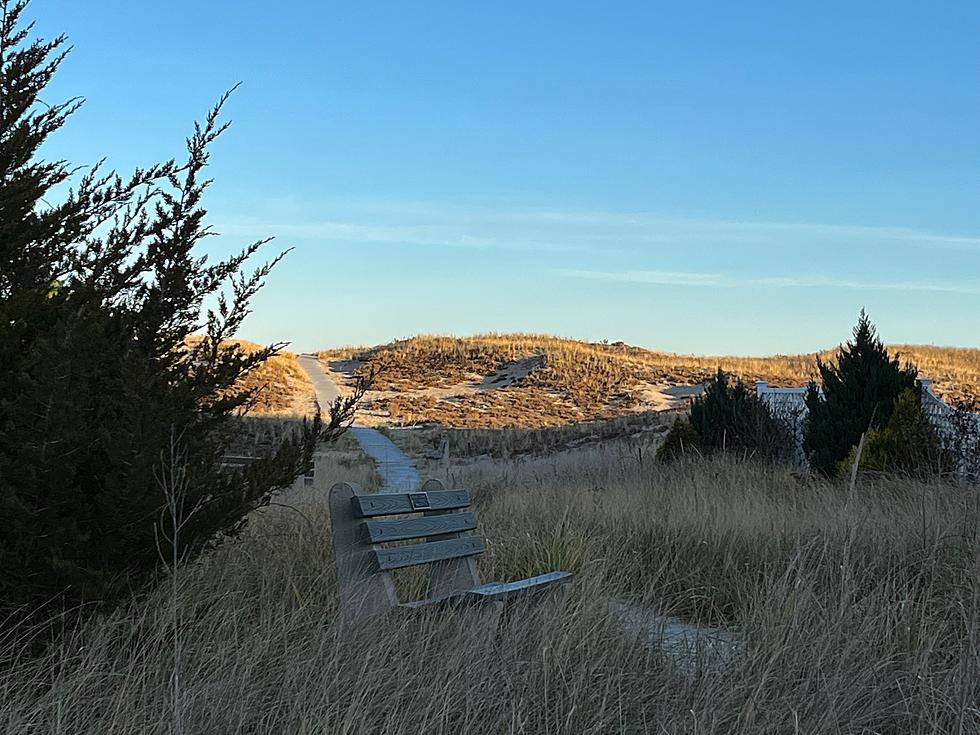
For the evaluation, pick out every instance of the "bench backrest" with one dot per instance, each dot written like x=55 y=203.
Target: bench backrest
x=432 y=526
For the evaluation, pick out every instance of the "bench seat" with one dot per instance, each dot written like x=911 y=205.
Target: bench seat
x=496 y=591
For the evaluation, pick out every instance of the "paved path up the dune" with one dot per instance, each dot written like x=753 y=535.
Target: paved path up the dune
x=396 y=470
x=326 y=390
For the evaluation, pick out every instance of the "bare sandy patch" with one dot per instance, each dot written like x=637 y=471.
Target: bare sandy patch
x=666 y=396
x=511 y=373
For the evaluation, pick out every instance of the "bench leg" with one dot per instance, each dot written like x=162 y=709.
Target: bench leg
x=489 y=614
x=474 y=623
x=362 y=591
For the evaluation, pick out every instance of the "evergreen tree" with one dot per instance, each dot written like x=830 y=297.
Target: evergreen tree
x=731 y=416
x=859 y=392
x=102 y=394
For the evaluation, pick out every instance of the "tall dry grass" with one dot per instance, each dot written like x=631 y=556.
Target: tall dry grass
x=857 y=612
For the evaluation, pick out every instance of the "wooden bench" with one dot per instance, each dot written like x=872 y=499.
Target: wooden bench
x=363 y=529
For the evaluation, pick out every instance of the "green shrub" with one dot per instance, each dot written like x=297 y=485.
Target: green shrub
x=681 y=438
x=728 y=417
x=908 y=444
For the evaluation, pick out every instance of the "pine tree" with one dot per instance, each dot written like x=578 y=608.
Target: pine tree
x=99 y=382
x=729 y=416
x=859 y=391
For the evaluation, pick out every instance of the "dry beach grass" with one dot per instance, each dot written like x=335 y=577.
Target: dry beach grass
x=531 y=381
x=281 y=385
x=857 y=612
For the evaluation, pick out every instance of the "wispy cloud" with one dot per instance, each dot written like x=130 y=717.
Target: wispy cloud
x=490 y=227
x=662 y=278
x=352 y=232
x=721 y=280
x=647 y=225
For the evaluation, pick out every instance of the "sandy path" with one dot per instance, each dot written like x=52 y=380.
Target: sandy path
x=397 y=471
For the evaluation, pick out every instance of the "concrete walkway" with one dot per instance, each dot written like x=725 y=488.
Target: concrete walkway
x=397 y=472
x=326 y=390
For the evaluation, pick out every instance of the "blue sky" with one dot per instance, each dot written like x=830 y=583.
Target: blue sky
x=697 y=177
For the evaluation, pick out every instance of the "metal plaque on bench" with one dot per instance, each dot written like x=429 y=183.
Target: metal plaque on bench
x=419 y=501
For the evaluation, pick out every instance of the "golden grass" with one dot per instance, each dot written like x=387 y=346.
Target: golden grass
x=507 y=407
x=857 y=613
x=955 y=370
x=579 y=381
x=281 y=386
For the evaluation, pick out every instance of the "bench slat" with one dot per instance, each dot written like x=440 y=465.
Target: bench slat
x=378 y=532
x=409 y=556
x=387 y=504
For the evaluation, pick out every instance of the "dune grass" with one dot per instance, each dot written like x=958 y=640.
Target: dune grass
x=281 y=386
x=857 y=612
x=578 y=381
